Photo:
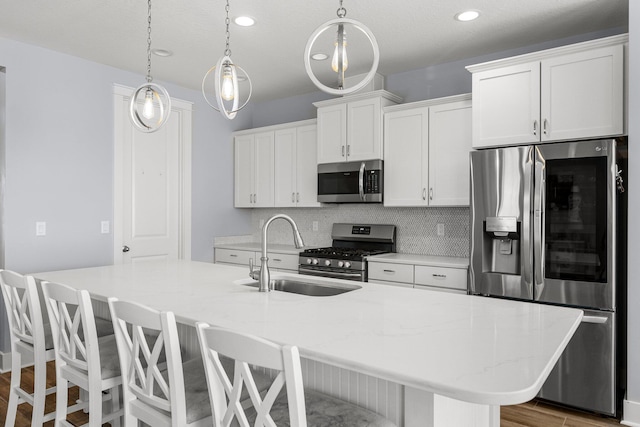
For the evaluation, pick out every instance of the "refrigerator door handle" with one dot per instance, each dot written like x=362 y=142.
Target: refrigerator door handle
x=539 y=198
x=527 y=260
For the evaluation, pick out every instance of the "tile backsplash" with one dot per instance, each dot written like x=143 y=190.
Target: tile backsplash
x=416 y=227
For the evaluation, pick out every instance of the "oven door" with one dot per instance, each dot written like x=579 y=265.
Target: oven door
x=350 y=182
x=358 y=276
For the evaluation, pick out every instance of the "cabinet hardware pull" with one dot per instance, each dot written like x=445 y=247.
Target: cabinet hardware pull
x=126 y=249
x=297 y=197
x=431 y=194
x=348 y=150
x=439 y=276
x=389 y=271
x=277 y=260
x=293 y=197
x=424 y=194
x=233 y=255
x=535 y=127
x=544 y=126
x=343 y=151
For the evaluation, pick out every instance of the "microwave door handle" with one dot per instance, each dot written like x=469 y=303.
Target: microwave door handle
x=361 y=181
x=539 y=222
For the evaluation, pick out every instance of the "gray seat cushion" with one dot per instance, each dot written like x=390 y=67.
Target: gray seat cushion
x=109 y=361
x=326 y=411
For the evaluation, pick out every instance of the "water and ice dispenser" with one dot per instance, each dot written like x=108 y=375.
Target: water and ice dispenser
x=501 y=245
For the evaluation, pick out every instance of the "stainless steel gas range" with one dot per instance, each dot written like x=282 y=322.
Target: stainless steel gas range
x=346 y=258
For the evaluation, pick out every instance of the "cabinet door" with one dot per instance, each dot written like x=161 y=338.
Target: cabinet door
x=306 y=166
x=406 y=139
x=449 y=147
x=263 y=167
x=285 y=167
x=506 y=105
x=364 y=130
x=332 y=133
x=243 y=171
x=582 y=94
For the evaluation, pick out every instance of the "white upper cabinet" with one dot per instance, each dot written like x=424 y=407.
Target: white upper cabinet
x=296 y=178
x=426 y=152
x=350 y=128
x=275 y=166
x=570 y=92
x=253 y=170
x=449 y=148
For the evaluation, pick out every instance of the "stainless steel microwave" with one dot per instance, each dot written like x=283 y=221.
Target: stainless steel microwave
x=350 y=182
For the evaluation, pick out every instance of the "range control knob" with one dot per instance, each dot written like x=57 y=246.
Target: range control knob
x=314 y=261
x=327 y=262
x=347 y=264
x=340 y=263
x=308 y=260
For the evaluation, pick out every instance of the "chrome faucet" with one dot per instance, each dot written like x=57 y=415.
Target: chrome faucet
x=262 y=275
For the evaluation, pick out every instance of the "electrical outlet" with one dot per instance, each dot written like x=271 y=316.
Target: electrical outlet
x=314 y=225
x=41 y=228
x=104 y=227
x=440 y=229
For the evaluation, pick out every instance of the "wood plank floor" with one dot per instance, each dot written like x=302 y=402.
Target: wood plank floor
x=531 y=414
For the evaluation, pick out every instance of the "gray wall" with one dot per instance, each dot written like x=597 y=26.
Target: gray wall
x=59 y=161
x=633 y=335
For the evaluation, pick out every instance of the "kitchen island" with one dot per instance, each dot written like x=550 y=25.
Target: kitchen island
x=476 y=353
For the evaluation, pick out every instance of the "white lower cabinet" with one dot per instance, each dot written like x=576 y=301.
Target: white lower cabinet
x=277 y=261
x=414 y=274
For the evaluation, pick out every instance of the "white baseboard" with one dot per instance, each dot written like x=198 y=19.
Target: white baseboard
x=5 y=362
x=630 y=413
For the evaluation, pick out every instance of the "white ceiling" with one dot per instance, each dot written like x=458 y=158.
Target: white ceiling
x=411 y=33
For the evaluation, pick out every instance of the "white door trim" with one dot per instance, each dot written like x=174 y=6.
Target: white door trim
x=122 y=94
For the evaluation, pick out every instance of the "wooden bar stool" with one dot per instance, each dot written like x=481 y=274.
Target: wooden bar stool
x=30 y=339
x=295 y=407
x=82 y=358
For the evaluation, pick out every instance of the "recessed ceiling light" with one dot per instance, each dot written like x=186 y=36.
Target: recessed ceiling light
x=467 y=15
x=161 y=52
x=319 y=56
x=244 y=21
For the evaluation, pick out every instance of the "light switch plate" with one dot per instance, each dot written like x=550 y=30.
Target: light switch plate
x=41 y=228
x=440 y=229
x=314 y=225
x=104 y=227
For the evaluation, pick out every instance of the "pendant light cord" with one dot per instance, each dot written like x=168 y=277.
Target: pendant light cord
x=149 y=78
x=227 y=21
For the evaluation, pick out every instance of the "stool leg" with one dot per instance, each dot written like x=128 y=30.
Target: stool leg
x=95 y=408
x=62 y=398
x=16 y=372
x=39 y=389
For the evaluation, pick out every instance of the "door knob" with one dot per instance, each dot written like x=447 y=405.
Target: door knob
x=125 y=249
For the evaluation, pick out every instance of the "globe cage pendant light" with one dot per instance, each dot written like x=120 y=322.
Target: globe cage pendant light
x=150 y=104
x=227 y=77
x=339 y=62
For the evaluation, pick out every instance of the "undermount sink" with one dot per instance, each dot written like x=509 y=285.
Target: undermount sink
x=309 y=288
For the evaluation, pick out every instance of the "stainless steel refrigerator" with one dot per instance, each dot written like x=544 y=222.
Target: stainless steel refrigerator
x=548 y=226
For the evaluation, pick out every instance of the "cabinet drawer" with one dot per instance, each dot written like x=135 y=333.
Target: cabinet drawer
x=233 y=256
x=282 y=261
x=391 y=272
x=442 y=277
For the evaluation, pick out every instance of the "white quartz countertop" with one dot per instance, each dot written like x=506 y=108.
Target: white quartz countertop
x=428 y=260
x=475 y=349
x=256 y=246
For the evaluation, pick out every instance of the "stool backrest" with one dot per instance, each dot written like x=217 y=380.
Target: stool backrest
x=20 y=295
x=246 y=350
x=73 y=328
x=146 y=338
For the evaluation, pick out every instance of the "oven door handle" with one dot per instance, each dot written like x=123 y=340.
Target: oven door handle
x=361 y=181
x=313 y=272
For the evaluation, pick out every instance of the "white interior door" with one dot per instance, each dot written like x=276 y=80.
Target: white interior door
x=152 y=186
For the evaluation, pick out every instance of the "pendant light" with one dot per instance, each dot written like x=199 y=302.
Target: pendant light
x=227 y=78
x=150 y=104
x=339 y=60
